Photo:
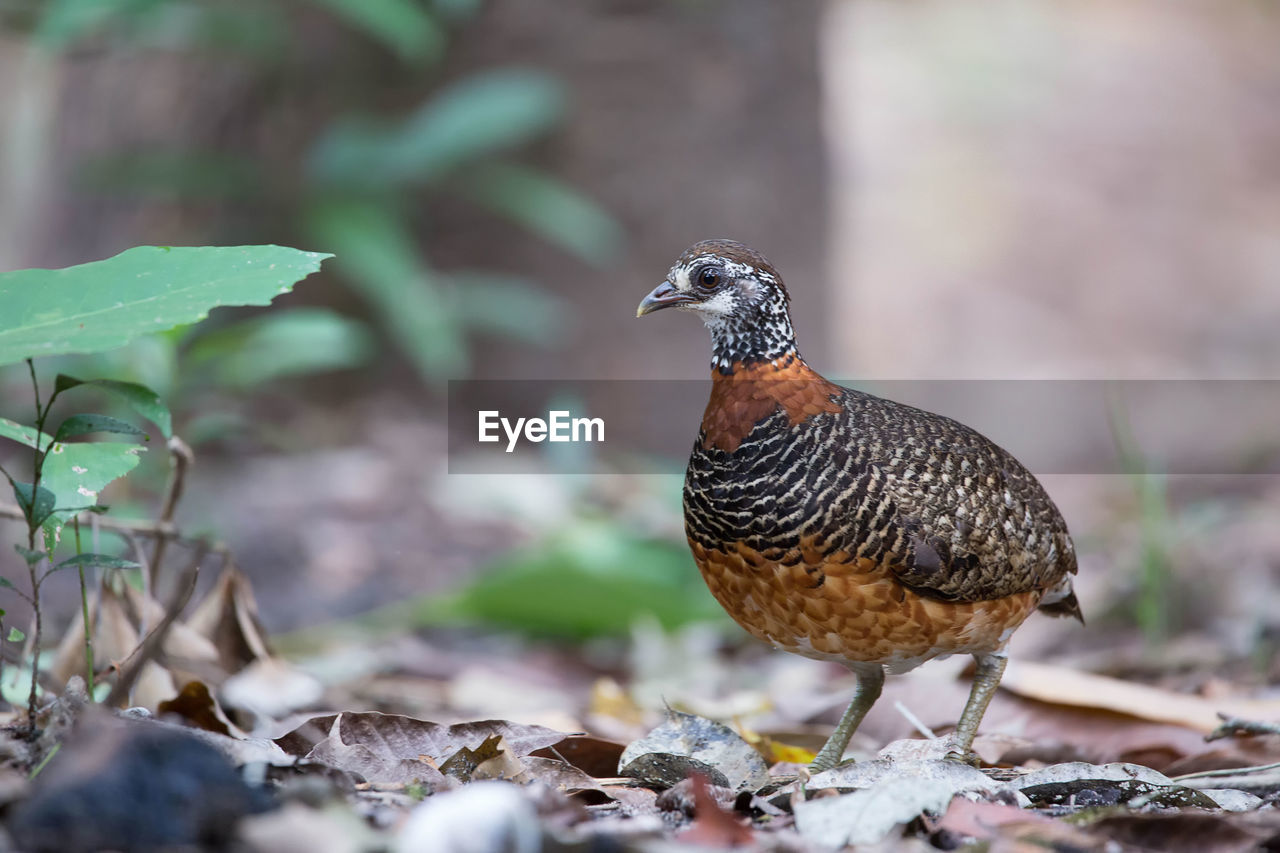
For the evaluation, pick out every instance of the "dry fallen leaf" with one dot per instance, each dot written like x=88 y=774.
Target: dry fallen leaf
x=1064 y=686
x=228 y=616
x=592 y=755
x=198 y=709
x=980 y=820
x=684 y=744
x=392 y=748
x=712 y=825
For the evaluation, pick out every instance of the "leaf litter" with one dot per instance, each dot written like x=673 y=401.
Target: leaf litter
x=619 y=767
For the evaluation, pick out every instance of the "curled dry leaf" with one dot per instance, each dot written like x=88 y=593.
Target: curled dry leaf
x=228 y=617
x=687 y=744
x=1079 y=784
x=198 y=709
x=115 y=629
x=393 y=748
x=592 y=755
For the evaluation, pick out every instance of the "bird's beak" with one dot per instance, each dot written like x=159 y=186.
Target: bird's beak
x=663 y=296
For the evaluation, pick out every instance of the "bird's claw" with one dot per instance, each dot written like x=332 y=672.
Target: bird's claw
x=968 y=757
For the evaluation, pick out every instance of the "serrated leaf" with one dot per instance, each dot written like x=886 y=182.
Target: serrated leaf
x=105 y=304
x=36 y=509
x=140 y=398
x=76 y=473
x=77 y=425
x=15 y=636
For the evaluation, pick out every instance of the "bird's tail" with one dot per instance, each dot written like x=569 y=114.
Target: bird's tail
x=1061 y=601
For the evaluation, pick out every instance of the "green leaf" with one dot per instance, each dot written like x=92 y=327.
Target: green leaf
x=23 y=434
x=38 y=509
x=467 y=121
x=8 y=584
x=29 y=556
x=379 y=257
x=103 y=305
x=548 y=208
x=102 y=561
x=76 y=473
x=140 y=398
x=15 y=636
x=78 y=425
x=282 y=343
x=596 y=579
x=404 y=26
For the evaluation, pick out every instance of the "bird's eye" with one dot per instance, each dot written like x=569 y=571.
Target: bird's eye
x=708 y=277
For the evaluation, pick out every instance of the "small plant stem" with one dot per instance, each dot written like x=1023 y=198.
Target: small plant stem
x=36 y=770
x=180 y=459
x=35 y=635
x=150 y=645
x=37 y=467
x=84 y=613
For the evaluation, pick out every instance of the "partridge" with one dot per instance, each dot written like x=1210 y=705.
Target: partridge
x=845 y=527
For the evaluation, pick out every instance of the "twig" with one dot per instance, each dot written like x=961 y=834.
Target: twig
x=84 y=615
x=152 y=529
x=37 y=469
x=914 y=720
x=181 y=458
x=148 y=584
x=1234 y=726
x=1230 y=771
x=150 y=646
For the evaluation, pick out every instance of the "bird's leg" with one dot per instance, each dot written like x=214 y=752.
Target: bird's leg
x=870 y=681
x=985 y=681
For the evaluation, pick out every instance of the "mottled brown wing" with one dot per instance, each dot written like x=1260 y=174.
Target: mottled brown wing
x=970 y=522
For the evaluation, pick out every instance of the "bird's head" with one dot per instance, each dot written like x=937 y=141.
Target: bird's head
x=739 y=296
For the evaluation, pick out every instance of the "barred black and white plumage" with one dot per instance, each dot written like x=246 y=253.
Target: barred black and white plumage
x=952 y=514
x=841 y=526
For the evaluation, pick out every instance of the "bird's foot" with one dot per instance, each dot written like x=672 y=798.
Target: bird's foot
x=818 y=766
x=967 y=756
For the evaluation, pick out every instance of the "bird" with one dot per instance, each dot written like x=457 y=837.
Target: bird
x=844 y=527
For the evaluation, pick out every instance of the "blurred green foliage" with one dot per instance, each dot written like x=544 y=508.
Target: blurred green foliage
x=594 y=578
x=364 y=185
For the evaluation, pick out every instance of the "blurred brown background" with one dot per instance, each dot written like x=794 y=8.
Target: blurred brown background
x=989 y=190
